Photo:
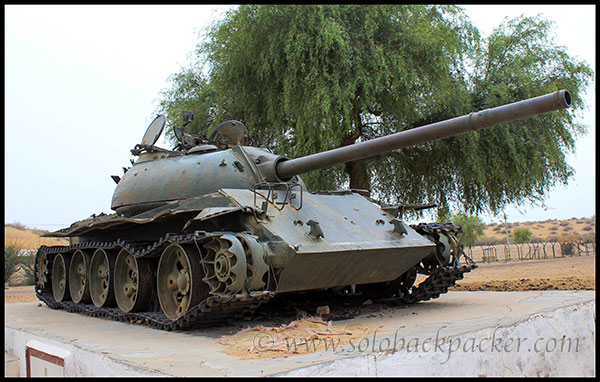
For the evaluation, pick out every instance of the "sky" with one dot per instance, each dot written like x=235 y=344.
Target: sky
x=82 y=84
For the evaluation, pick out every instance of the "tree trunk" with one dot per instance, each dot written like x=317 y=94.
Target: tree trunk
x=359 y=176
x=356 y=170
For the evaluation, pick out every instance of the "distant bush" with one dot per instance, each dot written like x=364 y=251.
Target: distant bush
x=17 y=225
x=588 y=228
x=536 y=239
x=487 y=241
x=522 y=235
x=567 y=248
x=588 y=238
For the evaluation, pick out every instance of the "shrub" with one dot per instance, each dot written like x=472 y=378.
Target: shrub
x=11 y=261
x=27 y=264
x=17 y=225
x=522 y=235
x=566 y=248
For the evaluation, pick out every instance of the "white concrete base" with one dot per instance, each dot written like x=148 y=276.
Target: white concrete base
x=11 y=365
x=534 y=333
x=557 y=343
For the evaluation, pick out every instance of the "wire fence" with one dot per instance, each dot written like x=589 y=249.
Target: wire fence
x=531 y=251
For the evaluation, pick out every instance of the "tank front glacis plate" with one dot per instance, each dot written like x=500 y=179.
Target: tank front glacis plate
x=358 y=243
x=348 y=222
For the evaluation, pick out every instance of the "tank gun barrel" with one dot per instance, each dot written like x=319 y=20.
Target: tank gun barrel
x=558 y=100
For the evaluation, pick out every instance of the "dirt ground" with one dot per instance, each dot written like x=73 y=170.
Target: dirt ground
x=19 y=294
x=567 y=273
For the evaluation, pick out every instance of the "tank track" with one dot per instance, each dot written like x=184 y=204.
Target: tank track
x=213 y=311
x=442 y=277
x=218 y=309
x=436 y=284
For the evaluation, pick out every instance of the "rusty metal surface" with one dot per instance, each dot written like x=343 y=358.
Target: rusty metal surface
x=357 y=242
x=162 y=213
x=181 y=177
x=325 y=270
x=348 y=222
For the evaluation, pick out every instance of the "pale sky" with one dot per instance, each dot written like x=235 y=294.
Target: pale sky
x=81 y=84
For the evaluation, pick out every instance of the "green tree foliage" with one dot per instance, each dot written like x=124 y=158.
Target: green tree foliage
x=443 y=215
x=308 y=78
x=189 y=91
x=11 y=261
x=521 y=235
x=472 y=228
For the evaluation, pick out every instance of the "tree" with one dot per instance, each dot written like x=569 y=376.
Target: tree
x=472 y=228
x=308 y=78
x=521 y=235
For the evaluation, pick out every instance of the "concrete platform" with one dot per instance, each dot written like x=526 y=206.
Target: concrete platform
x=532 y=333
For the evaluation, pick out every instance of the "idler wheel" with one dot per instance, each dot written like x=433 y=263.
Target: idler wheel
x=132 y=282
x=78 y=277
x=60 y=281
x=226 y=265
x=101 y=278
x=41 y=270
x=179 y=280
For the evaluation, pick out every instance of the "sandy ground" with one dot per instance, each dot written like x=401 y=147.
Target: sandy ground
x=568 y=273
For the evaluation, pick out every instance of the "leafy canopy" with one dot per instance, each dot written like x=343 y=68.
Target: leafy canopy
x=308 y=78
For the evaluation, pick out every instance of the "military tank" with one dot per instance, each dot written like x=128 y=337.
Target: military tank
x=214 y=228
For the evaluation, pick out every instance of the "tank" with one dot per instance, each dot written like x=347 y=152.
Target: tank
x=213 y=228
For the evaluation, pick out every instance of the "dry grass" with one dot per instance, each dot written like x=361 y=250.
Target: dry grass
x=28 y=239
